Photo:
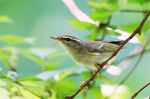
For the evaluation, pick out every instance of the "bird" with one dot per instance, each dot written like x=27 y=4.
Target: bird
x=87 y=52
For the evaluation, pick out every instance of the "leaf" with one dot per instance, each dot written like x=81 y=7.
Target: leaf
x=66 y=84
x=60 y=87
x=94 y=34
x=56 y=55
x=10 y=39
x=38 y=54
x=64 y=74
x=104 y=79
x=6 y=19
x=96 y=93
x=81 y=25
x=49 y=66
x=42 y=52
x=28 y=95
x=137 y=1
x=26 y=53
x=32 y=78
x=132 y=26
x=4 y=93
x=53 y=74
x=100 y=15
x=109 y=5
x=141 y=38
x=2 y=83
x=131 y=6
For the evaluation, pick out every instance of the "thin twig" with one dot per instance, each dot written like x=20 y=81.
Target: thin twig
x=138 y=61
x=102 y=25
x=137 y=11
x=135 y=66
x=138 y=30
x=131 y=56
x=133 y=96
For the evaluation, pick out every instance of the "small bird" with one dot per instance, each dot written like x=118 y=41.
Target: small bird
x=88 y=53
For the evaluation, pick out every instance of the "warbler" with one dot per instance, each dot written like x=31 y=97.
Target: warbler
x=88 y=53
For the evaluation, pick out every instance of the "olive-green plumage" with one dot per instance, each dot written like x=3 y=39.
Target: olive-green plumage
x=88 y=52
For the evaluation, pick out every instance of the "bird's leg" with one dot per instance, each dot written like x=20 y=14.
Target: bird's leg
x=82 y=86
x=98 y=65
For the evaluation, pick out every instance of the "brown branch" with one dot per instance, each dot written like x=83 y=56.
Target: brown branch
x=102 y=25
x=137 y=11
x=135 y=66
x=138 y=30
x=131 y=56
x=133 y=96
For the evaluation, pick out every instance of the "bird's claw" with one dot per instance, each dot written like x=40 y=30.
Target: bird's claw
x=83 y=87
x=98 y=65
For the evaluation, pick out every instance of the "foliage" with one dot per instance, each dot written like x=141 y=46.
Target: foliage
x=51 y=83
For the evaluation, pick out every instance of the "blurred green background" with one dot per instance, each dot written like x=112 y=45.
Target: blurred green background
x=36 y=20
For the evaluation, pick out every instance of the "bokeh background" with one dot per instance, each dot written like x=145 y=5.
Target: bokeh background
x=34 y=21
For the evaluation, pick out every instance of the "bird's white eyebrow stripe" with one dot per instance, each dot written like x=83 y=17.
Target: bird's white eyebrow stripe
x=77 y=40
x=101 y=46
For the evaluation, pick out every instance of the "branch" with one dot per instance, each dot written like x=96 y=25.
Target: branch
x=137 y=11
x=131 y=56
x=135 y=66
x=138 y=30
x=133 y=96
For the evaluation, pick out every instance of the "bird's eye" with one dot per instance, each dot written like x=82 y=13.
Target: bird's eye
x=68 y=39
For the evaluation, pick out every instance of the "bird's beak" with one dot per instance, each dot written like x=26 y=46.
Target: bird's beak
x=55 y=38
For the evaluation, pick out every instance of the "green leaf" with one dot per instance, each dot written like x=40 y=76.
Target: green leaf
x=141 y=38
x=6 y=19
x=131 y=6
x=81 y=25
x=112 y=27
x=29 y=95
x=109 y=5
x=4 y=93
x=10 y=39
x=96 y=93
x=42 y=52
x=56 y=55
x=50 y=65
x=137 y=1
x=64 y=74
x=26 y=53
x=2 y=83
x=104 y=79
x=100 y=15
x=38 y=54
x=64 y=84
x=61 y=87
x=36 y=86
x=94 y=34
x=86 y=74
x=132 y=26
x=54 y=74
x=32 y=78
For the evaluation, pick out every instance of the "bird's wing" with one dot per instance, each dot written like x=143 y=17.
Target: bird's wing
x=101 y=46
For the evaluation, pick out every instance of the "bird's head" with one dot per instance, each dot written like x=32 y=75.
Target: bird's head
x=68 y=41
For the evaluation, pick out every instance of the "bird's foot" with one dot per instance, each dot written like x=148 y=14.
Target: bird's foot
x=98 y=65
x=82 y=86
